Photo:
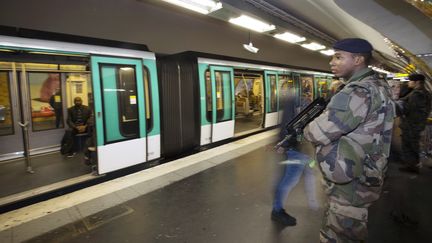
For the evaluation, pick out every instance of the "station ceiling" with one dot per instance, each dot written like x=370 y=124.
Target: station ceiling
x=406 y=24
x=167 y=29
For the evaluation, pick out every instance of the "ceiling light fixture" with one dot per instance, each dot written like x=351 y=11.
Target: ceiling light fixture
x=200 y=6
x=313 y=46
x=252 y=24
x=249 y=47
x=290 y=37
x=329 y=52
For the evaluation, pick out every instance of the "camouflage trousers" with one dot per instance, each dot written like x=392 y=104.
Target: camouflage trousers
x=345 y=220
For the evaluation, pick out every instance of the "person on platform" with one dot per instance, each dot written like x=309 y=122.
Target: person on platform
x=295 y=165
x=352 y=138
x=415 y=108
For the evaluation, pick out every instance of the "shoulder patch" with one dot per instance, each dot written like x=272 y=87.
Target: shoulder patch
x=340 y=101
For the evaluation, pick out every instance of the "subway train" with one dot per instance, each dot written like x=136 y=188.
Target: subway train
x=146 y=106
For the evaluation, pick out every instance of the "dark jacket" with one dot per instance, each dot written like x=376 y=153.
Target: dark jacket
x=52 y=101
x=289 y=112
x=416 y=109
x=78 y=116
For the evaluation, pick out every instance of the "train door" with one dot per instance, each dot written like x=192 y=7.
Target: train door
x=248 y=101
x=120 y=112
x=272 y=101
x=223 y=110
x=11 y=139
x=34 y=107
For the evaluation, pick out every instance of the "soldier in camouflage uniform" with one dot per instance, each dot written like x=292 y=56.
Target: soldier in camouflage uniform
x=352 y=138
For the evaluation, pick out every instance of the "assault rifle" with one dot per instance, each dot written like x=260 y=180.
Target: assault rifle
x=295 y=126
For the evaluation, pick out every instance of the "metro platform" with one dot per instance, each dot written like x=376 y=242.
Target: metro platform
x=223 y=194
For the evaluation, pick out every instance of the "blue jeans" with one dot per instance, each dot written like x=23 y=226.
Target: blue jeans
x=295 y=166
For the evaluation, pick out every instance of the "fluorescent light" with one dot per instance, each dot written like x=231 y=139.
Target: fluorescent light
x=313 y=46
x=291 y=38
x=328 y=52
x=377 y=69
x=200 y=6
x=7 y=50
x=252 y=24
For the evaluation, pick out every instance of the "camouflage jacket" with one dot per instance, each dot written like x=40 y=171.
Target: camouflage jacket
x=356 y=127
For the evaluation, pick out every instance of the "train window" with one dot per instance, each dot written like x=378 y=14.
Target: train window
x=209 y=109
x=273 y=93
x=6 y=121
x=306 y=91
x=223 y=96
x=147 y=90
x=322 y=85
x=286 y=89
x=120 y=102
x=46 y=100
x=128 y=103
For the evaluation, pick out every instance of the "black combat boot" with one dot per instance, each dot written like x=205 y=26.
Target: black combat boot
x=283 y=218
x=410 y=169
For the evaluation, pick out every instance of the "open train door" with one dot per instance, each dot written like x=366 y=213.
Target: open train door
x=272 y=100
x=119 y=110
x=222 y=82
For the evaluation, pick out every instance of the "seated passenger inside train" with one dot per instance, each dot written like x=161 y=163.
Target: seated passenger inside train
x=78 y=119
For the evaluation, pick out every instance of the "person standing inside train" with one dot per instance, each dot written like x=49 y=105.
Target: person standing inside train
x=56 y=103
x=415 y=108
x=352 y=138
x=78 y=118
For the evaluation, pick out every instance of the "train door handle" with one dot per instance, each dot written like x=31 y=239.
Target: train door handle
x=99 y=114
x=23 y=124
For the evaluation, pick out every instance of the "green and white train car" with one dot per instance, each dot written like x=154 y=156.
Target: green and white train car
x=120 y=85
x=145 y=106
x=221 y=97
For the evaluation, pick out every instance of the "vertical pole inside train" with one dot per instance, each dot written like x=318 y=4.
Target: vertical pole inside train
x=24 y=116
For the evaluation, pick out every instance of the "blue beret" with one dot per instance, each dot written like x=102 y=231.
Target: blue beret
x=417 y=77
x=353 y=45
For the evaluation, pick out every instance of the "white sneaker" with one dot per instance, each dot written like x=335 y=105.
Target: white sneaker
x=71 y=155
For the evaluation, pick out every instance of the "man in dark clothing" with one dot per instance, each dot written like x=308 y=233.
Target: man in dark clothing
x=78 y=118
x=295 y=165
x=56 y=103
x=415 y=108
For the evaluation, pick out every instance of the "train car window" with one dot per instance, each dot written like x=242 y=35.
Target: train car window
x=273 y=93
x=296 y=79
x=6 y=121
x=120 y=102
x=46 y=100
x=323 y=87
x=223 y=96
x=306 y=90
x=286 y=89
x=148 y=100
x=128 y=103
x=208 y=88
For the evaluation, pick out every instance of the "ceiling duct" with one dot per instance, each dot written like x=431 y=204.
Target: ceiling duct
x=286 y=17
